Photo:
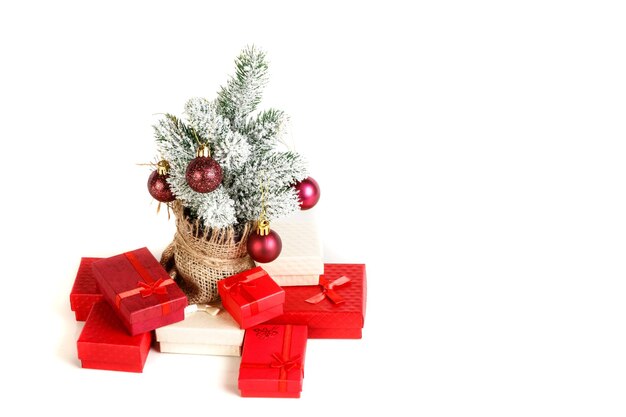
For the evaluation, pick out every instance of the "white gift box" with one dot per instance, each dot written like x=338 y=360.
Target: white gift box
x=295 y=280
x=301 y=259
x=206 y=330
x=199 y=349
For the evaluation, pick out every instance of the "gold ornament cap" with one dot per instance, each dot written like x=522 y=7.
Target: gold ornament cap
x=263 y=227
x=203 y=151
x=163 y=167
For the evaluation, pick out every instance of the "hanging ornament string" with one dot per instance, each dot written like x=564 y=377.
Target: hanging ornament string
x=265 y=245
x=264 y=224
x=195 y=135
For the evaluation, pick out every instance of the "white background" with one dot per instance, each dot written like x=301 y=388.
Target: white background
x=471 y=153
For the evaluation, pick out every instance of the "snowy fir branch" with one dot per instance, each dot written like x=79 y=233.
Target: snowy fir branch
x=266 y=127
x=245 y=143
x=243 y=92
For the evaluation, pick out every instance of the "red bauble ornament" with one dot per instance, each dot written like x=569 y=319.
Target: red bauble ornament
x=308 y=192
x=203 y=174
x=265 y=245
x=157 y=183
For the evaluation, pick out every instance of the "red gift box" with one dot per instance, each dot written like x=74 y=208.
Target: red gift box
x=85 y=291
x=272 y=362
x=335 y=309
x=251 y=297
x=140 y=290
x=105 y=344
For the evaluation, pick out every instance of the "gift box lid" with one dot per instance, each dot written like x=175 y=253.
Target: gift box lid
x=301 y=252
x=85 y=289
x=273 y=358
x=85 y=282
x=252 y=290
x=138 y=286
x=104 y=339
x=348 y=313
x=203 y=324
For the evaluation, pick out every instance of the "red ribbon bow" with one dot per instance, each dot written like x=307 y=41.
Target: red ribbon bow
x=157 y=287
x=147 y=287
x=328 y=290
x=285 y=364
x=241 y=283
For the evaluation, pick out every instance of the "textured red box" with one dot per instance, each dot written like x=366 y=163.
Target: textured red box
x=272 y=362
x=85 y=292
x=327 y=319
x=251 y=297
x=105 y=344
x=140 y=291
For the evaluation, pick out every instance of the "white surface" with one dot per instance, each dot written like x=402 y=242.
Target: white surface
x=471 y=153
x=301 y=260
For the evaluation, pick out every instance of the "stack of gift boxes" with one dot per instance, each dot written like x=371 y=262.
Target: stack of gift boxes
x=265 y=316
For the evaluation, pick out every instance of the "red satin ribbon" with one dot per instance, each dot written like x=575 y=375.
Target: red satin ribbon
x=147 y=287
x=286 y=364
x=328 y=290
x=157 y=287
x=240 y=285
x=282 y=361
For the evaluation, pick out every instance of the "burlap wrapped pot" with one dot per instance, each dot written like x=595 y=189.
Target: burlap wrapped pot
x=198 y=258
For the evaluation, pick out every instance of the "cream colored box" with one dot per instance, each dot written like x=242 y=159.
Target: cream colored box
x=301 y=260
x=200 y=349
x=206 y=330
x=296 y=280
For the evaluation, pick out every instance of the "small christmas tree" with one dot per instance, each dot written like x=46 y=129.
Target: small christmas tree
x=225 y=166
x=244 y=142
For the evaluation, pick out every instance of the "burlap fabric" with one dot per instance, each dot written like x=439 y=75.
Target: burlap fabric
x=196 y=259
